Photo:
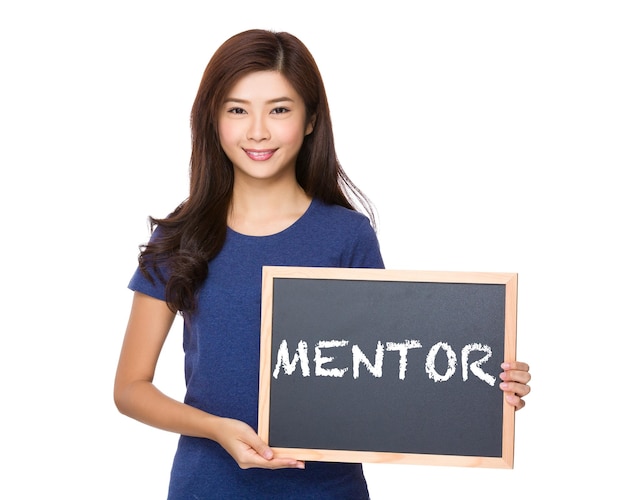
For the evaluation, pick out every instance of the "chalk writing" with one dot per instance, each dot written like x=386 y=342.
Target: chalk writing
x=322 y=358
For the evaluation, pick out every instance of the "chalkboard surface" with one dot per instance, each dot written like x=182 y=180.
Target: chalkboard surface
x=378 y=365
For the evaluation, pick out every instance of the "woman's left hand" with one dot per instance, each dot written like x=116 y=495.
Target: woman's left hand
x=515 y=378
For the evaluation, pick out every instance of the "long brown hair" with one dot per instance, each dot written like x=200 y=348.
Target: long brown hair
x=195 y=232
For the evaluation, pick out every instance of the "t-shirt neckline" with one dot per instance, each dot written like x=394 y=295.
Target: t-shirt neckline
x=289 y=228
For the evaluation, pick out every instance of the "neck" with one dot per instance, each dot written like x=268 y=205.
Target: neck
x=264 y=210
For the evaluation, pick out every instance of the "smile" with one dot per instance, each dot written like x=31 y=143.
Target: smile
x=260 y=154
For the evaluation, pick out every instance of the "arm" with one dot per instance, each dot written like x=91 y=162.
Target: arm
x=515 y=378
x=136 y=396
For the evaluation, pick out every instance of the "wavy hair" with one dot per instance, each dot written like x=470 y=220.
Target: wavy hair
x=193 y=234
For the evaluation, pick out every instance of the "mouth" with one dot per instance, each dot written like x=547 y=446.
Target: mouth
x=260 y=154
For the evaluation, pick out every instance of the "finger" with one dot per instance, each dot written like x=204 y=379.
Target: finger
x=268 y=460
x=520 y=390
x=284 y=463
x=262 y=449
x=515 y=365
x=515 y=401
x=256 y=461
x=515 y=376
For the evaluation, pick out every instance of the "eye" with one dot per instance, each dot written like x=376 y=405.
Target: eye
x=280 y=110
x=236 y=111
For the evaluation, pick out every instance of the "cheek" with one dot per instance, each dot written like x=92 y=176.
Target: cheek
x=226 y=135
x=292 y=135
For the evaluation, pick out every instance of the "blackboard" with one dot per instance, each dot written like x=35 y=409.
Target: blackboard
x=376 y=365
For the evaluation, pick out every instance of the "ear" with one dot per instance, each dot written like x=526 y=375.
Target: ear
x=310 y=126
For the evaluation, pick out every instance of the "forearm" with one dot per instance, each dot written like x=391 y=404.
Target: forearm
x=142 y=401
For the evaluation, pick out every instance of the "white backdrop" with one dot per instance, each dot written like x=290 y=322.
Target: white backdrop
x=489 y=134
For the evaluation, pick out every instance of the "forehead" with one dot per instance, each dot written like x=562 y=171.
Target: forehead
x=264 y=86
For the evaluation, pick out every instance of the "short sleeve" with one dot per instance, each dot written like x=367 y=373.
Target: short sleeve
x=153 y=285
x=140 y=283
x=365 y=249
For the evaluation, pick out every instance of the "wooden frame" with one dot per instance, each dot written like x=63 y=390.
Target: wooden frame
x=509 y=280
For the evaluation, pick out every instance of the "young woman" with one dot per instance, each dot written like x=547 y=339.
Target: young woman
x=266 y=188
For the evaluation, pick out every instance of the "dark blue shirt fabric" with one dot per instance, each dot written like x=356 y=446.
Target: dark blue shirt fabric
x=221 y=342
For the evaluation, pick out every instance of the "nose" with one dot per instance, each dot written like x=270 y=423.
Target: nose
x=258 y=130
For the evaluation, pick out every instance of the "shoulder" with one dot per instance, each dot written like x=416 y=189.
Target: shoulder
x=336 y=215
x=348 y=231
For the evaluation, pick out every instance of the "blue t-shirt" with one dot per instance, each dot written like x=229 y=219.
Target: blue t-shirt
x=221 y=341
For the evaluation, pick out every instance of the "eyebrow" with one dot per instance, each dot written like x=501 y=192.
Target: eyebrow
x=271 y=101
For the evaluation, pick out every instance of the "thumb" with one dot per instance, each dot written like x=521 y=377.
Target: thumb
x=262 y=449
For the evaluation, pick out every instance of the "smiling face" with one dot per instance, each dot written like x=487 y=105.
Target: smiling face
x=261 y=126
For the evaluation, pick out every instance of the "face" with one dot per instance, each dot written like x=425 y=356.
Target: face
x=261 y=125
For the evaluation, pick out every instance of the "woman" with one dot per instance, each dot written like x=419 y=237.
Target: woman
x=266 y=188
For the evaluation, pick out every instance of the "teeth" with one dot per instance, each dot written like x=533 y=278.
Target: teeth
x=260 y=155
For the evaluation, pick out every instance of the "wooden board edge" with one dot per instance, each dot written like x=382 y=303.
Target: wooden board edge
x=388 y=274
x=374 y=457
x=265 y=360
x=510 y=354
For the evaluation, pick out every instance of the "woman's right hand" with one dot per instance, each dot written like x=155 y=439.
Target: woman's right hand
x=248 y=449
x=136 y=396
